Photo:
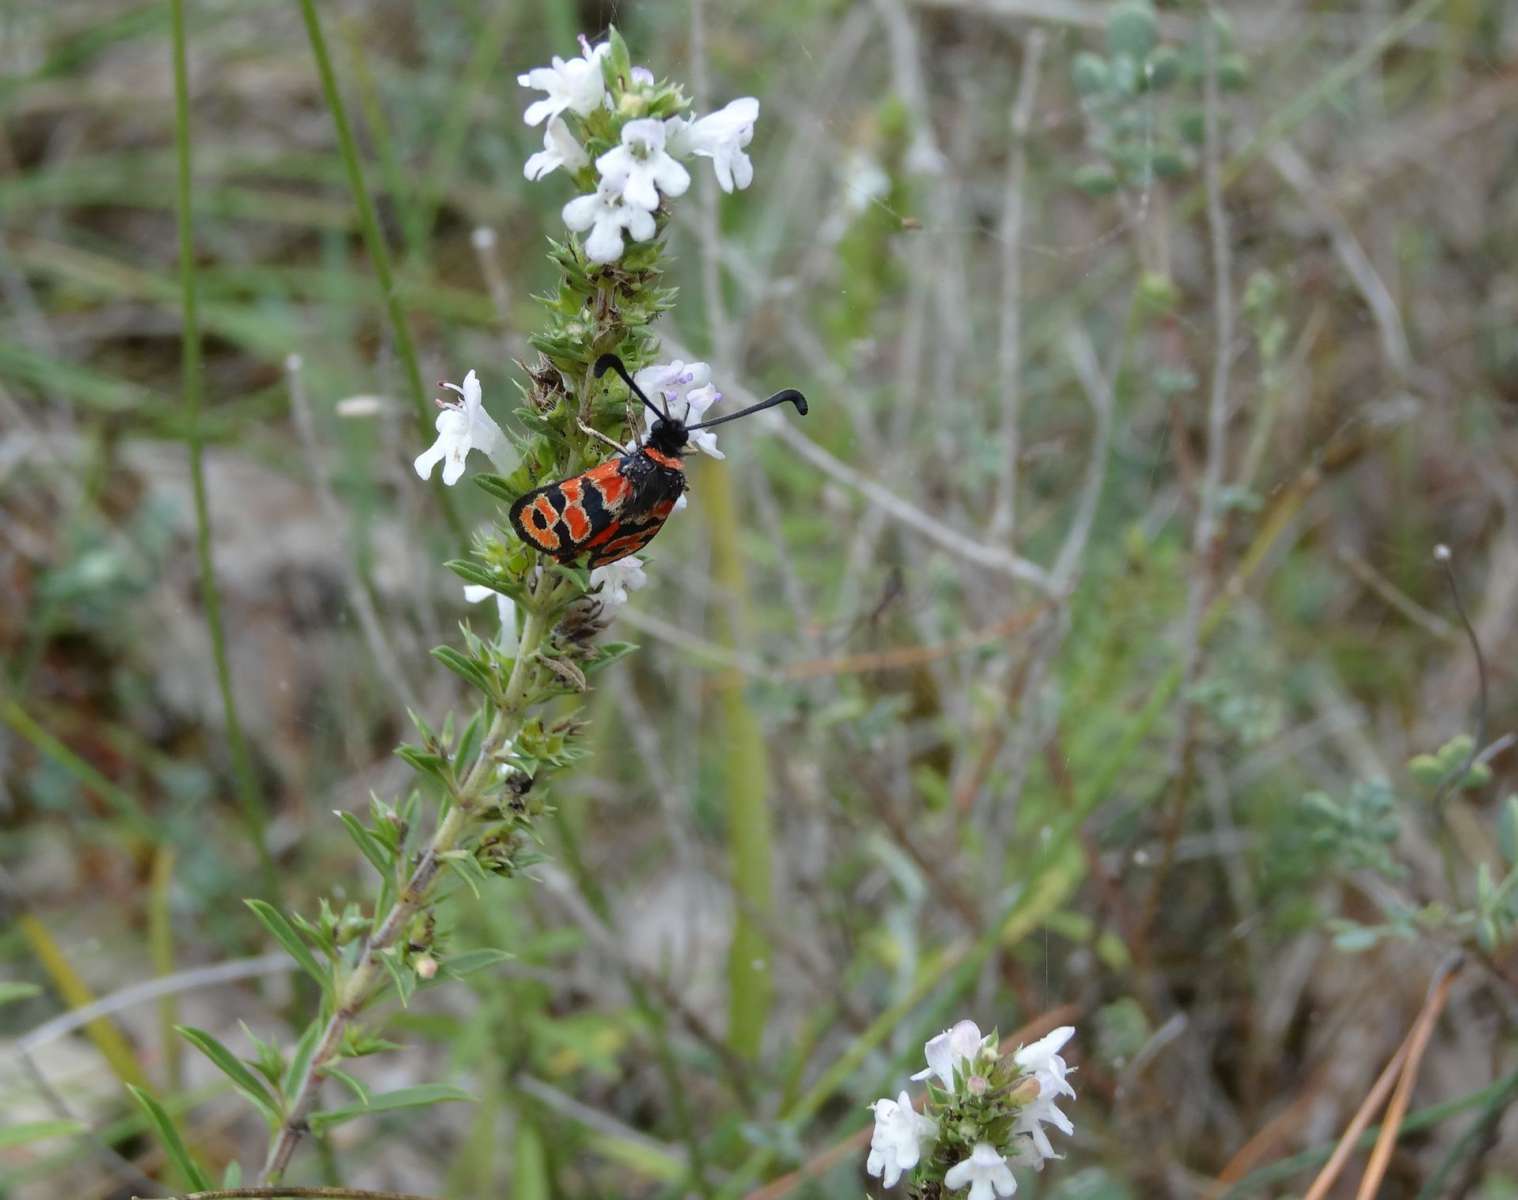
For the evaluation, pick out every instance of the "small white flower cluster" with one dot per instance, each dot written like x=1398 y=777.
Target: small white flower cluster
x=644 y=165
x=961 y=1062
x=685 y=390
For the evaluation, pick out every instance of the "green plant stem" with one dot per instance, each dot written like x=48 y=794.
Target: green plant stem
x=374 y=242
x=355 y=991
x=746 y=784
x=242 y=763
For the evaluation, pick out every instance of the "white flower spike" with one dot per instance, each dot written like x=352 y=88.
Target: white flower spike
x=896 y=1144
x=618 y=578
x=950 y=1048
x=559 y=150
x=720 y=136
x=985 y=1171
x=642 y=165
x=604 y=213
x=576 y=85
x=462 y=426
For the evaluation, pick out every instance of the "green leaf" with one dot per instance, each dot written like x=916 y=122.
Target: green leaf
x=36 y=1131
x=11 y=992
x=1089 y=73
x=466 y=867
x=413 y=1097
x=249 y=1084
x=607 y=654
x=404 y=979
x=465 y=668
x=458 y=965
x=231 y=1176
x=472 y=572
x=423 y=762
x=300 y=1061
x=352 y=1084
x=1132 y=29
x=1507 y=829
x=173 y=1144
x=274 y=921
x=368 y=845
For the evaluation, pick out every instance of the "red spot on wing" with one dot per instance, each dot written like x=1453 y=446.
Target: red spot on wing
x=576 y=520
x=671 y=461
x=608 y=480
x=539 y=518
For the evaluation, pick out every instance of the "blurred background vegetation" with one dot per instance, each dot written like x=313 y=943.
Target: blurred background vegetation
x=1069 y=663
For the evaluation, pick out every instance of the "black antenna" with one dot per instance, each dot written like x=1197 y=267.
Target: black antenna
x=612 y=362
x=790 y=395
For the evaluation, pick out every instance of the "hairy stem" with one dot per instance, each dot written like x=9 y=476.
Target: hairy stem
x=357 y=988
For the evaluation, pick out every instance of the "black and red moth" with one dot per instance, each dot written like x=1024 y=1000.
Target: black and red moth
x=615 y=508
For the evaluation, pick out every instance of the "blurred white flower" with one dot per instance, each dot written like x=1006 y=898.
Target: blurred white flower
x=720 y=136
x=686 y=391
x=864 y=181
x=642 y=166
x=618 y=578
x=950 y=1048
x=559 y=150
x=576 y=85
x=505 y=606
x=606 y=216
x=462 y=426
x=642 y=75
x=896 y=1144
x=985 y=1171
x=1042 y=1060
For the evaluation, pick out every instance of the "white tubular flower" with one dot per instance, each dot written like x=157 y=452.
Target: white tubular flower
x=896 y=1144
x=575 y=85
x=559 y=150
x=462 y=426
x=720 y=136
x=618 y=578
x=687 y=392
x=950 y=1048
x=505 y=606
x=985 y=1171
x=642 y=166
x=1043 y=1062
x=606 y=216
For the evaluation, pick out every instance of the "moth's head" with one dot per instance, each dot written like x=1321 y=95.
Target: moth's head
x=668 y=435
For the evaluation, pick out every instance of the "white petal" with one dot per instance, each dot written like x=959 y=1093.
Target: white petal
x=430 y=458
x=672 y=178
x=1046 y=1047
x=605 y=241
x=540 y=109
x=640 y=224
x=580 y=213
x=640 y=191
x=453 y=466
x=475 y=592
